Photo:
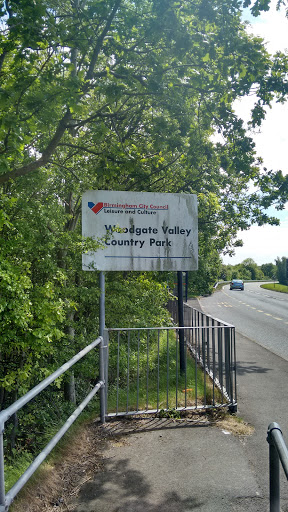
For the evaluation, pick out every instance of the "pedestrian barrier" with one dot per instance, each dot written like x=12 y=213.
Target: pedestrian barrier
x=212 y=343
x=6 y=499
x=277 y=452
x=161 y=370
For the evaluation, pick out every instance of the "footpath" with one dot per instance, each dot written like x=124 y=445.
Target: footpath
x=199 y=467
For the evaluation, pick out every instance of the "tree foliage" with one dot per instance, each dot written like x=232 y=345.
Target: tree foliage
x=282 y=270
x=129 y=95
x=248 y=270
x=269 y=270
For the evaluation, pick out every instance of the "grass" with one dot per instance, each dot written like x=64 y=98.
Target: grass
x=15 y=470
x=230 y=422
x=15 y=467
x=65 y=468
x=159 y=384
x=276 y=287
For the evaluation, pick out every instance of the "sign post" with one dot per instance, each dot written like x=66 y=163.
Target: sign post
x=181 y=321
x=102 y=304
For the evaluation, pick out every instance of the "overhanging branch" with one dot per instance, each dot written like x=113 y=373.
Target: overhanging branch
x=44 y=159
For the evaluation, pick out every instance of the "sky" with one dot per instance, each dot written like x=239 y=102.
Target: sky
x=264 y=244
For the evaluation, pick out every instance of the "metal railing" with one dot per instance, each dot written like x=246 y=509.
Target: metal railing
x=212 y=343
x=277 y=452
x=152 y=361
x=6 y=499
x=140 y=360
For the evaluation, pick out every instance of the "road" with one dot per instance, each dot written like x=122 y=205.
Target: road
x=260 y=315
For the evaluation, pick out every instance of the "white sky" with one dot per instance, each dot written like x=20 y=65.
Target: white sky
x=265 y=243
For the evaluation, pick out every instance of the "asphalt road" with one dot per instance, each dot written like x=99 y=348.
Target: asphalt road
x=260 y=315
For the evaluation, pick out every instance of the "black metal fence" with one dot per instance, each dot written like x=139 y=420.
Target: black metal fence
x=212 y=343
x=164 y=368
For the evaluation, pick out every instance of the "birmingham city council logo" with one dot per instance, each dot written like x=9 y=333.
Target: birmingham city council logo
x=96 y=208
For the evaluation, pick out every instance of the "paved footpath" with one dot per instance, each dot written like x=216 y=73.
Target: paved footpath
x=159 y=467
x=262 y=399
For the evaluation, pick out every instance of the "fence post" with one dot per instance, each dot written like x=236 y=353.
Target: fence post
x=227 y=361
x=220 y=355
x=233 y=407
x=208 y=342
x=2 y=477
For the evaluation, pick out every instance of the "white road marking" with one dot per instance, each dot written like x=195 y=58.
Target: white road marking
x=252 y=307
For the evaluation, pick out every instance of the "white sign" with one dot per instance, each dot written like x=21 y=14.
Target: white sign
x=141 y=230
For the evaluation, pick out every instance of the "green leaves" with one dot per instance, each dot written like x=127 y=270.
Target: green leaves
x=131 y=95
x=142 y=300
x=262 y=5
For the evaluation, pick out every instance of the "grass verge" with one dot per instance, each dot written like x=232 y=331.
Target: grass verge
x=16 y=466
x=77 y=458
x=276 y=287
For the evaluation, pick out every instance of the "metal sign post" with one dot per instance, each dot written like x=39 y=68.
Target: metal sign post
x=181 y=322
x=102 y=304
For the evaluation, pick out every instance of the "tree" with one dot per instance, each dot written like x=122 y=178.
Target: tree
x=282 y=274
x=247 y=270
x=250 y=265
x=123 y=94
x=127 y=94
x=81 y=72
x=262 y=5
x=269 y=270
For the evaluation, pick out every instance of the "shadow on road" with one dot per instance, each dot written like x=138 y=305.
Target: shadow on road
x=135 y=426
x=132 y=491
x=250 y=367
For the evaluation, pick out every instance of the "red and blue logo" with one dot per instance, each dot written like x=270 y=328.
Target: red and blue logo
x=96 y=208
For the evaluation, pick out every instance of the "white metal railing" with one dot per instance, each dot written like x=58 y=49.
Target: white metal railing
x=6 y=499
x=277 y=452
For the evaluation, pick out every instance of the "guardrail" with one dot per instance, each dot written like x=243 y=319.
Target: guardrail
x=6 y=499
x=277 y=452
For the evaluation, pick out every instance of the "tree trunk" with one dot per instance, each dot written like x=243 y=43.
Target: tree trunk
x=69 y=388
